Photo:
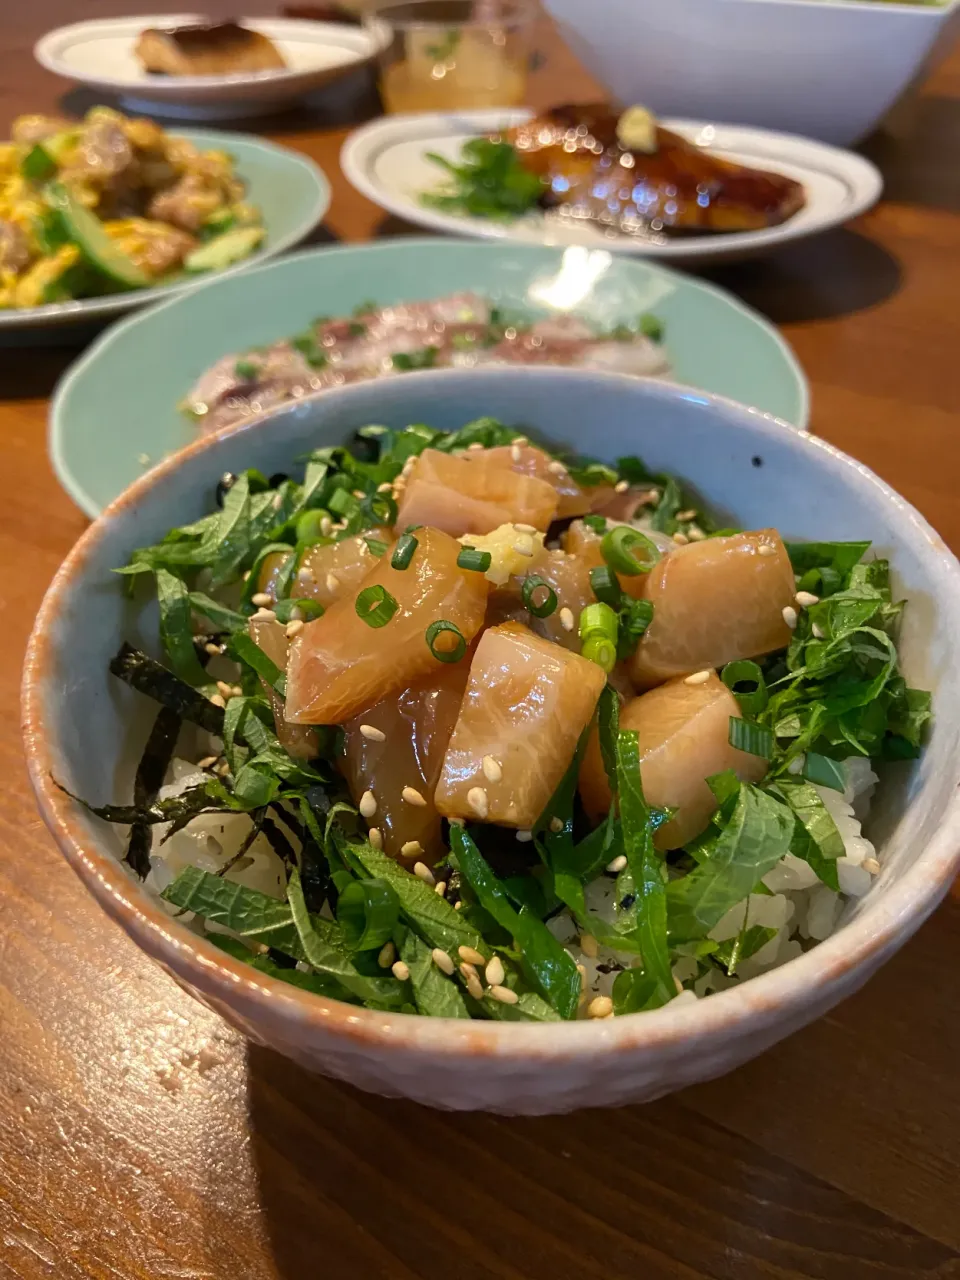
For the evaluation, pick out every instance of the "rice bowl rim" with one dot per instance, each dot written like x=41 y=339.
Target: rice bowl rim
x=815 y=978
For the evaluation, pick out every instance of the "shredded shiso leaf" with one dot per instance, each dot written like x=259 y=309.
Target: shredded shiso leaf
x=834 y=693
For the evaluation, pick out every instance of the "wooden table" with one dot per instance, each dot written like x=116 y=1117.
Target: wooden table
x=141 y=1137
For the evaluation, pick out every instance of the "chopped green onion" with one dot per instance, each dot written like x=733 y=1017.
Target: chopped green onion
x=403 y=552
x=598 y=620
x=343 y=503
x=439 y=628
x=619 y=546
x=246 y=370
x=651 y=327
x=307 y=610
x=598 y=631
x=380 y=508
x=471 y=558
x=376 y=606
x=532 y=583
x=412 y=528
x=597 y=523
x=309 y=529
x=605 y=586
x=754 y=697
x=376 y=546
x=601 y=651
x=824 y=771
x=755 y=739
x=367 y=912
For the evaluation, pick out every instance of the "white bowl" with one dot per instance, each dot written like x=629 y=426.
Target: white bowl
x=84 y=729
x=829 y=69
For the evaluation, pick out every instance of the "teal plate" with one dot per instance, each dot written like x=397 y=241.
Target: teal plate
x=115 y=412
x=291 y=192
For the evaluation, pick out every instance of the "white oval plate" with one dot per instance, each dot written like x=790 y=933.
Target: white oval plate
x=100 y=53
x=387 y=161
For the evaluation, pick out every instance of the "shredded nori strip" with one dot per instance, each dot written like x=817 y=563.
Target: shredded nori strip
x=152 y=678
x=177 y=809
x=151 y=772
x=256 y=817
x=279 y=843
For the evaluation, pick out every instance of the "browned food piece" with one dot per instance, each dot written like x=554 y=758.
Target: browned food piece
x=207 y=49
x=399 y=743
x=467 y=495
x=679 y=187
x=683 y=731
x=340 y=665
x=527 y=460
x=299 y=740
x=714 y=602
x=526 y=704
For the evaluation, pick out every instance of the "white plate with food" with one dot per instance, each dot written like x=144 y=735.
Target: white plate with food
x=189 y=66
x=108 y=213
x=681 y=190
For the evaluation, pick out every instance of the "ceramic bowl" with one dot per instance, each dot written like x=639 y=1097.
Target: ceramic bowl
x=84 y=729
x=828 y=69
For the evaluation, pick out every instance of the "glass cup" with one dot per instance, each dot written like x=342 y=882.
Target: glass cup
x=448 y=55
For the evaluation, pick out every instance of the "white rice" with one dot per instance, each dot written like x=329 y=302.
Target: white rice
x=799 y=906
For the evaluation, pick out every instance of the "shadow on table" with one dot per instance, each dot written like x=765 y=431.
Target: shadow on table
x=834 y=274
x=918 y=162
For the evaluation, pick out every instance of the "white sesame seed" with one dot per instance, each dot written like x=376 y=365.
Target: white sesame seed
x=477 y=800
x=261 y=598
x=765 y=549
x=686 y=515
x=368 y=804
x=504 y=995
x=871 y=865
x=333 y=582
x=472 y=448
x=246 y=576
x=212 y=649
x=326 y=526
x=473 y=984
x=207 y=761
x=218 y=701
x=457 y=906
x=359 y=494
x=600 y=1007
x=617 y=865
x=293 y=628
x=400 y=971
x=470 y=954
x=423 y=871
x=385 y=487
x=413 y=796
x=525 y=528
x=806 y=598
x=468 y=970
x=410 y=850
x=388 y=953
x=266 y=615
x=224 y=688
x=698 y=677
x=817 y=633
x=375 y=838
x=277 y=502
x=237 y=691
x=524 y=545
x=494 y=972
x=695 y=533
x=557 y=468
x=491 y=769
x=520 y=440
x=567 y=619
x=622 y=486
x=223 y=769
x=440 y=888
x=680 y=539
x=588 y=945
x=373 y=733
x=556 y=825
x=789 y=616
x=442 y=960
x=524 y=836
x=515 y=454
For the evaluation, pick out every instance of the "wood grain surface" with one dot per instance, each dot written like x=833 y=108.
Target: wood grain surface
x=142 y=1139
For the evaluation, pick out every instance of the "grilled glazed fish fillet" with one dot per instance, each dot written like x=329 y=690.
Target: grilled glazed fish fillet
x=676 y=186
x=207 y=49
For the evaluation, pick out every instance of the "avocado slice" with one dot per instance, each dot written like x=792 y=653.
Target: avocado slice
x=86 y=231
x=222 y=251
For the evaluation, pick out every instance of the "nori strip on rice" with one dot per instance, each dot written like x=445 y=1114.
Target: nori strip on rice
x=152 y=678
x=151 y=772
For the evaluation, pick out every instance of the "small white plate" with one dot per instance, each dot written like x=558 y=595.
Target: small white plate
x=387 y=161
x=100 y=53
